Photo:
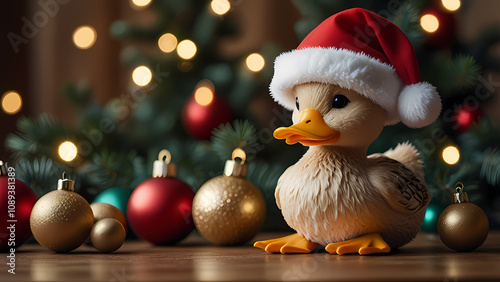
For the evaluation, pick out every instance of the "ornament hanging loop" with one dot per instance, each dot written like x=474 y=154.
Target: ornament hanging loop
x=3 y=168
x=234 y=168
x=239 y=153
x=165 y=155
x=162 y=167
x=66 y=184
x=460 y=196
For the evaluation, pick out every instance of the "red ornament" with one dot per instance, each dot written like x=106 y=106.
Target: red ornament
x=204 y=112
x=159 y=209
x=465 y=117
x=24 y=200
x=447 y=30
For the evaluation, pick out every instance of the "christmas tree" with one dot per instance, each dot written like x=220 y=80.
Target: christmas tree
x=184 y=87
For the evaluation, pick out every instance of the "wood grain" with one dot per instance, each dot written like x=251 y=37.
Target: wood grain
x=425 y=259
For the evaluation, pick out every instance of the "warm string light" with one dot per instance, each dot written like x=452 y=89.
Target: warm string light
x=84 y=37
x=142 y=76
x=11 y=102
x=451 y=155
x=429 y=23
x=220 y=7
x=451 y=5
x=186 y=49
x=167 y=42
x=255 y=62
x=67 y=151
x=204 y=96
x=140 y=3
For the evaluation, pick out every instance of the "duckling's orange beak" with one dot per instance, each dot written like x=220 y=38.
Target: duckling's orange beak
x=311 y=130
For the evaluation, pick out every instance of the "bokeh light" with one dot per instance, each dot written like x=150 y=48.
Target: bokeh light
x=67 y=151
x=84 y=37
x=204 y=95
x=255 y=62
x=167 y=42
x=142 y=75
x=451 y=155
x=451 y=5
x=429 y=23
x=220 y=7
x=141 y=3
x=186 y=49
x=11 y=102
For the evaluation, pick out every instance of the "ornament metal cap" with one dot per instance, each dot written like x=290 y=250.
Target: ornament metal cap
x=162 y=167
x=65 y=183
x=460 y=196
x=3 y=168
x=234 y=168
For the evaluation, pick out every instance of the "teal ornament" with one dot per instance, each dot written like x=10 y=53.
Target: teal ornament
x=116 y=196
x=431 y=218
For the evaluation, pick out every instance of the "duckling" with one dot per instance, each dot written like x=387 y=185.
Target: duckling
x=335 y=195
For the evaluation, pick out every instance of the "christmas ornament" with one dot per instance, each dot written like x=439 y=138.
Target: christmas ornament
x=229 y=209
x=463 y=226
x=205 y=111
x=107 y=235
x=61 y=220
x=116 y=196
x=446 y=30
x=335 y=195
x=16 y=201
x=431 y=218
x=103 y=210
x=159 y=209
x=465 y=117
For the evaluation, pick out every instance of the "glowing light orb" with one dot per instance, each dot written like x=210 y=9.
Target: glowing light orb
x=141 y=3
x=220 y=7
x=84 y=37
x=186 y=49
x=451 y=5
x=167 y=42
x=451 y=155
x=142 y=76
x=204 y=96
x=11 y=102
x=255 y=62
x=67 y=151
x=429 y=23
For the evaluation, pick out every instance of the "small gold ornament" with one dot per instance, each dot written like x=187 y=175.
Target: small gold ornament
x=463 y=226
x=104 y=210
x=61 y=220
x=107 y=235
x=229 y=209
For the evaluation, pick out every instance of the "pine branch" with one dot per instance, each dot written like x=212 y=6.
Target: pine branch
x=242 y=134
x=459 y=74
x=40 y=174
x=490 y=169
x=36 y=137
x=408 y=20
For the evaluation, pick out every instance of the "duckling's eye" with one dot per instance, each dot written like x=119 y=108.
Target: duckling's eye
x=297 y=103
x=339 y=102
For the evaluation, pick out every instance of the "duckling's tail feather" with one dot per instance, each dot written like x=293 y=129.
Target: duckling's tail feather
x=408 y=155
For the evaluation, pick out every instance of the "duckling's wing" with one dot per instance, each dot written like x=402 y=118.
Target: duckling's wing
x=399 y=186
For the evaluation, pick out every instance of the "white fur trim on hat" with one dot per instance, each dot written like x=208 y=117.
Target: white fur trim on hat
x=356 y=71
x=419 y=105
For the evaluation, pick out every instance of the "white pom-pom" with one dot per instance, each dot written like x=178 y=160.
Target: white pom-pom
x=419 y=105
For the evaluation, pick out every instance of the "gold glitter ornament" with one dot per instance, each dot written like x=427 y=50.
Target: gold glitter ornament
x=463 y=226
x=61 y=220
x=107 y=235
x=229 y=209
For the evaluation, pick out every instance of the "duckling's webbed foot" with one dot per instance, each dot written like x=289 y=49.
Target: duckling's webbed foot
x=291 y=244
x=365 y=245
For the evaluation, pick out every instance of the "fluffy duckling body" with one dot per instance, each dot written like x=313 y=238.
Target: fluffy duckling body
x=335 y=195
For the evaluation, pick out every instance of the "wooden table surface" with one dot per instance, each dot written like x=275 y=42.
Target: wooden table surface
x=425 y=259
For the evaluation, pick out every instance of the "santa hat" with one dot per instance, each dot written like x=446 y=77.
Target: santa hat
x=359 y=50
